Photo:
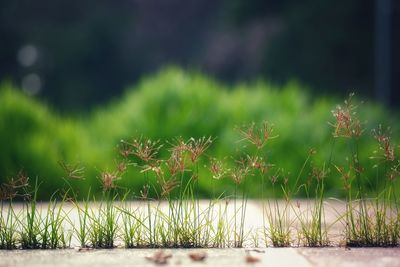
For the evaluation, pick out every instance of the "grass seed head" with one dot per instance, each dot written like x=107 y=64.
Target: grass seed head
x=318 y=174
x=155 y=167
x=197 y=147
x=147 y=150
x=258 y=163
x=5 y=193
x=124 y=149
x=217 y=169
x=121 y=166
x=108 y=179
x=346 y=122
x=15 y=187
x=176 y=163
x=72 y=171
x=144 y=193
x=167 y=186
x=238 y=174
x=178 y=145
x=274 y=179
x=394 y=173
x=258 y=136
x=346 y=177
x=383 y=139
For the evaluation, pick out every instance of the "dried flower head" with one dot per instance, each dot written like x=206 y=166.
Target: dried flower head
x=258 y=136
x=16 y=187
x=318 y=173
x=108 y=179
x=238 y=174
x=124 y=149
x=346 y=123
x=154 y=166
x=144 y=193
x=72 y=171
x=176 y=163
x=346 y=177
x=167 y=186
x=146 y=150
x=383 y=138
x=217 y=169
x=312 y=151
x=392 y=175
x=197 y=147
x=22 y=180
x=121 y=166
x=7 y=192
x=274 y=179
x=394 y=172
x=258 y=163
x=286 y=180
x=178 y=145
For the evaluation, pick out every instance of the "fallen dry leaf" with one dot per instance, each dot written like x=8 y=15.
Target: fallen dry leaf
x=160 y=257
x=198 y=256
x=84 y=249
x=251 y=259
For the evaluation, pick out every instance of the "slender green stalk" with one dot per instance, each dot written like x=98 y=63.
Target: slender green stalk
x=8 y=226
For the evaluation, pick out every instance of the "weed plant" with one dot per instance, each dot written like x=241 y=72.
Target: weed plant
x=369 y=220
x=8 y=219
x=279 y=228
x=313 y=229
x=167 y=211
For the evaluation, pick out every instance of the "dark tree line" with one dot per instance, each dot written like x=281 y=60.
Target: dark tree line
x=85 y=52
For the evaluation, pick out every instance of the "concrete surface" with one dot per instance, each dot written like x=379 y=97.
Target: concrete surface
x=276 y=257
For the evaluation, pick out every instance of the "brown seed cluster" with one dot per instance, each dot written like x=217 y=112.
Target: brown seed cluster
x=346 y=177
x=383 y=139
x=318 y=173
x=239 y=173
x=346 y=123
x=147 y=150
x=258 y=136
x=217 y=169
x=73 y=171
x=108 y=179
x=15 y=187
x=167 y=186
x=197 y=147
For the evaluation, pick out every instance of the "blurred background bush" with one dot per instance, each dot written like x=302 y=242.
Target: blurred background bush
x=176 y=103
x=79 y=76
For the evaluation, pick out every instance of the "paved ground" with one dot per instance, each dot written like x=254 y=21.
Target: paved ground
x=276 y=257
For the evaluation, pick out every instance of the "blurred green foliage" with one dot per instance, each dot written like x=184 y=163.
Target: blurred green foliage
x=176 y=103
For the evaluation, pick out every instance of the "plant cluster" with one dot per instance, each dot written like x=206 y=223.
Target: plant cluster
x=167 y=211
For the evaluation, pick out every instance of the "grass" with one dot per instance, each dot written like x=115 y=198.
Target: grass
x=313 y=229
x=8 y=227
x=370 y=220
x=167 y=211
